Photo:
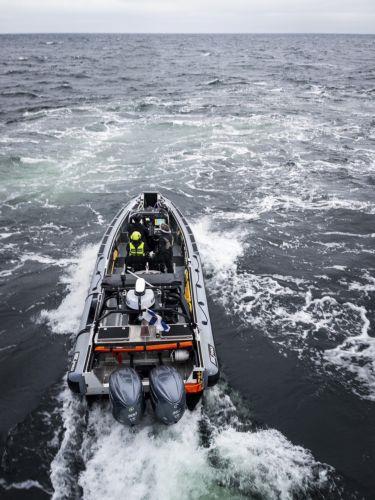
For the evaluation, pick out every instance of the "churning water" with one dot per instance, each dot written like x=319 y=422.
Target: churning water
x=267 y=143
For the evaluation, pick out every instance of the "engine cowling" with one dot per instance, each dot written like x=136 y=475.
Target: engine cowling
x=126 y=396
x=167 y=392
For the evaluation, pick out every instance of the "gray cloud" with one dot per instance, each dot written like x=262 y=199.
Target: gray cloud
x=333 y=16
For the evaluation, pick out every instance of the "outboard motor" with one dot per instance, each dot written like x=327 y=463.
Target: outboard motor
x=126 y=396
x=167 y=393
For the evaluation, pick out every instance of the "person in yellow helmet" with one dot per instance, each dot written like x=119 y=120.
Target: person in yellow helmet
x=136 y=245
x=136 y=251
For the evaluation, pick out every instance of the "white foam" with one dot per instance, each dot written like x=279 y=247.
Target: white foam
x=65 y=319
x=32 y=161
x=284 y=308
x=219 y=251
x=364 y=287
x=267 y=463
x=152 y=462
x=44 y=259
x=168 y=463
x=291 y=279
x=99 y=217
x=354 y=235
x=55 y=227
x=287 y=202
x=238 y=216
x=357 y=355
x=8 y=272
x=34 y=257
x=71 y=414
x=28 y=484
x=6 y=348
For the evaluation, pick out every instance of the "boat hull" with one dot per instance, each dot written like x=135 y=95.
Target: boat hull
x=81 y=378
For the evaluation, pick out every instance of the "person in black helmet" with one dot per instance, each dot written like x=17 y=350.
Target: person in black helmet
x=136 y=224
x=164 y=254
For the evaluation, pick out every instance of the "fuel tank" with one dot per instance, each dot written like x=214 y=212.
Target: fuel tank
x=126 y=396
x=167 y=392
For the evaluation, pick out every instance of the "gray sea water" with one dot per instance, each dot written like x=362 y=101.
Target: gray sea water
x=267 y=144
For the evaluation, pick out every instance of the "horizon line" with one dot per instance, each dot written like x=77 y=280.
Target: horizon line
x=186 y=33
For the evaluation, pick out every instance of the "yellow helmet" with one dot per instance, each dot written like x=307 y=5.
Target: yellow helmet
x=135 y=236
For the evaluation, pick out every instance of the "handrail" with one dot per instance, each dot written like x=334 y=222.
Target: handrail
x=200 y=286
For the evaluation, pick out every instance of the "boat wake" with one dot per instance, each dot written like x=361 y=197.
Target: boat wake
x=213 y=452
x=292 y=312
x=65 y=319
x=210 y=453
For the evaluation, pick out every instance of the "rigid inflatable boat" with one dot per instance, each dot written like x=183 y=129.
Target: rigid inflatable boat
x=146 y=334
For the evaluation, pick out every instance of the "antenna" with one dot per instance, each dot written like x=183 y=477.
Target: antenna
x=137 y=276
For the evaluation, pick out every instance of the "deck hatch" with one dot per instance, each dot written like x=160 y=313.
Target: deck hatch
x=108 y=333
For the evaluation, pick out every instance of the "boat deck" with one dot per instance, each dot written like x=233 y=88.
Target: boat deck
x=141 y=334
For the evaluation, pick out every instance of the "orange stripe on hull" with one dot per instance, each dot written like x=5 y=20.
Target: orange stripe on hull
x=193 y=388
x=140 y=348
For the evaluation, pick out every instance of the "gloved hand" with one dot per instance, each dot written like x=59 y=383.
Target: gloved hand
x=151 y=254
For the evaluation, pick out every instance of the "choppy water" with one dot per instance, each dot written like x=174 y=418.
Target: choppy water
x=267 y=143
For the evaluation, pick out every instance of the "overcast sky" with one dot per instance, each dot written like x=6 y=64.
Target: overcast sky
x=188 y=16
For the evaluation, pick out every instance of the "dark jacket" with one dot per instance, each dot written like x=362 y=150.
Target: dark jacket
x=165 y=246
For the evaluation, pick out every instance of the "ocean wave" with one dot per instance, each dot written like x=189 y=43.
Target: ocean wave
x=23 y=485
x=22 y=259
x=282 y=167
x=215 y=81
x=285 y=309
x=65 y=319
x=16 y=72
x=19 y=93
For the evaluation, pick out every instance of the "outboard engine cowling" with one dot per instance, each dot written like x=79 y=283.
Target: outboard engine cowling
x=126 y=396
x=167 y=393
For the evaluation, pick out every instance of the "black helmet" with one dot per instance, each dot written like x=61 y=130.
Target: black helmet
x=134 y=219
